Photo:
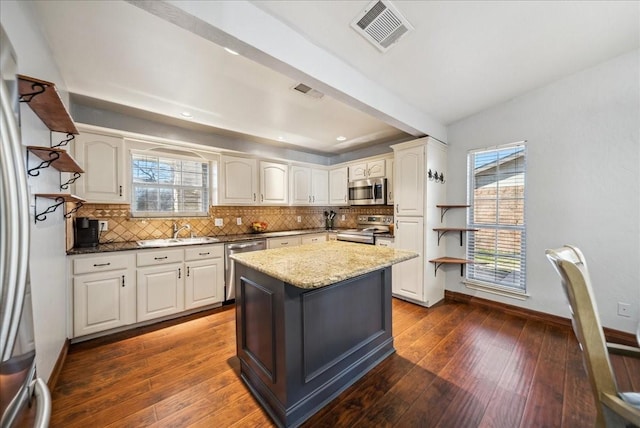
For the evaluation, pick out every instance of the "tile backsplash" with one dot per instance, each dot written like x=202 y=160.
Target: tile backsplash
x=123 y=227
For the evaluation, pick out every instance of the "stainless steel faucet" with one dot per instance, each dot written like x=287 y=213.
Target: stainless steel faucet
x=177 y=229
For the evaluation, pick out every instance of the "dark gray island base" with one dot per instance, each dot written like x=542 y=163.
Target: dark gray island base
x=301 y=347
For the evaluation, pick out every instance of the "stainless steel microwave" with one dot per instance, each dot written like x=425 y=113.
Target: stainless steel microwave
x=368 y=192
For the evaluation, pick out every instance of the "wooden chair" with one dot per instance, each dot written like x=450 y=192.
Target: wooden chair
x=615 y=408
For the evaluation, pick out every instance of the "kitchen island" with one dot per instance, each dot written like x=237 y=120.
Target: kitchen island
x=311 y=321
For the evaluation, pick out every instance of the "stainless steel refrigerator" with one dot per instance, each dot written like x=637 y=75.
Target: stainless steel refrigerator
x=20 y=388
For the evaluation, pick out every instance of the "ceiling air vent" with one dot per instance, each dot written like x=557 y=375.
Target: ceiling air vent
x=381 y=24
x=308 y=90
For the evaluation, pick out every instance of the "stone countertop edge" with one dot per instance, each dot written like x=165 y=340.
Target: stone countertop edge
x=133 y=245
x=318 y=265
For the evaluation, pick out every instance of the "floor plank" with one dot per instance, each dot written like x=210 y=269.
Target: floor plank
x=456 y=365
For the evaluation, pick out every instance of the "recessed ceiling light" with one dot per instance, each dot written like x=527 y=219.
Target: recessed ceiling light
x=280 y=138
x=341 y=138
x=231 y=51
x=186 y=114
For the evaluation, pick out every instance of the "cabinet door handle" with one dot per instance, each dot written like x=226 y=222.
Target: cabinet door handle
x=261 y=197
x=204 y=254
x=397 y=208
x=397 y=225
x=254 y=197
x=160 y=258
x=314 y=199
x=120 y=190
x=101 y=264
x=123 y=280
x=188 y=270
x=179 y=273
x=309 y=198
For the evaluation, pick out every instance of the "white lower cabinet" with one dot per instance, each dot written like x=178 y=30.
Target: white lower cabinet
x=104 y=293
x=160 y=291
x=408 y=276
x=204 y=281
x=111 y=291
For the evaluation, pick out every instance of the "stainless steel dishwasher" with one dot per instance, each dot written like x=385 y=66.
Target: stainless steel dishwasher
x=229 y=271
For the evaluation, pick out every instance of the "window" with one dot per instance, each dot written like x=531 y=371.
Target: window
x=168 y=186
x=496 y=195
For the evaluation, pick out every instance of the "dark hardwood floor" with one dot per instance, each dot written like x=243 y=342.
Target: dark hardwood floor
x=456 y=365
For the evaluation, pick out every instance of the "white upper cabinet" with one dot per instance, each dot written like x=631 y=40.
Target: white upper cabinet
x=274 y=183
x=103 y=160
x=300 y=187
x=338 y=186
x=375 y=169
x=309 y=186
x=238 y=181
x=319 y=186
x=409 y=181
x=364 y=170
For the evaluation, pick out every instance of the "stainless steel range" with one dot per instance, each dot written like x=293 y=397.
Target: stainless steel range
x=368 y=227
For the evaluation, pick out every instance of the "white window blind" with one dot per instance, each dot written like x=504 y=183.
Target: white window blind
x=496 y=195
x=169 y=186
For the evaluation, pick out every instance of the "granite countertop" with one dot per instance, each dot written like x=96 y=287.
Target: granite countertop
x=133 y=245
x=318 y=265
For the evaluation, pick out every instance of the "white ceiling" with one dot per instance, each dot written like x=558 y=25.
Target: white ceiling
x=462 y=57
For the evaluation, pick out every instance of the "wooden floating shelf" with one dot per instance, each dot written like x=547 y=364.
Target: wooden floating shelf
x=44 y=100
x=67 y=197
x=59 y=198
x=443 y=231
x=450 y=261
x=63 y=162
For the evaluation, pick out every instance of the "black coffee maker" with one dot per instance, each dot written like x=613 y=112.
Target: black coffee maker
x=86 y=232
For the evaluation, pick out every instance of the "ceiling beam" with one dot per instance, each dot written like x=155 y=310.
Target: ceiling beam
x=247 y=29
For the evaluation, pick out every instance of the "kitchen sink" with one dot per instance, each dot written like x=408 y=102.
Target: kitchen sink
x=170 y=242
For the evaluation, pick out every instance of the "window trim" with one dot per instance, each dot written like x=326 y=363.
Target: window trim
x=169 y=154
x=487 y=286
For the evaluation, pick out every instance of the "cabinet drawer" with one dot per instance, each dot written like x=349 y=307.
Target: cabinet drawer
x=290 y=241
x=99 y=264
x=385 y=242
x=200 y=252
x=150 y=258
x=313 y=239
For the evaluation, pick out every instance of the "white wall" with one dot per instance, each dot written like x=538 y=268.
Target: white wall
x=583 y=182
x=47 y=251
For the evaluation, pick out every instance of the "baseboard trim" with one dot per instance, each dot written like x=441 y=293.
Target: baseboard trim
x=57 y=368
x=612 y=335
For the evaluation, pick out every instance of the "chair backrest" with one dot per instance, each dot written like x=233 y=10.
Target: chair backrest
x=571 y=265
